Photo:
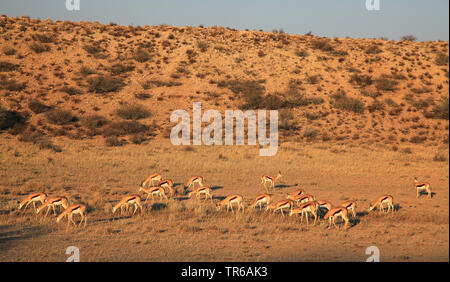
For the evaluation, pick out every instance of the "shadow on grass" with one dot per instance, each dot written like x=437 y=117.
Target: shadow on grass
x=9 y=234
x=282 y=186
x=423 y=193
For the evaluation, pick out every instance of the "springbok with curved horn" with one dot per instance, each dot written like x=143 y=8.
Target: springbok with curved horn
x=52 y=203
x=194 y=179
x=281 y=205
x=230 y=200
x=296 y=193
x=167 y=183
x=422 y=186
x=303 y=198
x=337 y=212
x=260 y=200
x=305 y=209
x=204 y=190
x=381 y=201
x=32 y=199
x=350 y=206
x=154 y=191
x=132 y=199
x=151 y=178
x=270 y=179
x=70 y=211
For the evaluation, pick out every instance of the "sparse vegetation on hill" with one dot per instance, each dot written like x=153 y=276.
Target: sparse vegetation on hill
x=317 y=82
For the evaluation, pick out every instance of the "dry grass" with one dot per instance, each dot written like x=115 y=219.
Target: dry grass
x=103 y=174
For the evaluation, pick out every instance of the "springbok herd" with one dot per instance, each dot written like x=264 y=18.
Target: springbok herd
x=297 y=202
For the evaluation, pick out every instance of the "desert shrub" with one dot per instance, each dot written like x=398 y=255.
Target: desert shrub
x=9 y=51
x=141 y=55
x=85 y=70
x=138 y=138
x=93 y=122
x=124 y=128
x=38 y=107
x=343 y=102
x=93 y=49
x=301 y=53
x=60 y=116
x=272 y=102
x=45 y=143
x=417 y=139
x=44 y=37
x=203 y=46
x=8 y=119
x=418 y=103
x=441 y=59
x=7 y=66
x=71 y=90
x=120 y=68
x=310 y=133
x=36 y=137
x=374 y=49
x=142 y=96
x=113 y=141
x=293 y=98
x=391 y=102
x=361 y=80
x=312 y=116
x=322 y=44
x=104 y=84
x=371 y=94
x=133 y=112
x=409 y=38
x=440 y=157
x=440 y=111
x=12 y=84
x=313 y=79
x=39 y=48
x=251 y=91
x=376 y=106
x=421 y=90
x=385 y=84
x=287 y=120
x=159 y=83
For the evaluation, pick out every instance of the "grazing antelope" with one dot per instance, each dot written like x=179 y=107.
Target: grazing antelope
x=152 y=191
x=260 y=200
x=350 y=206
x=151 y=178
x=70 y=211
x=33 y=198
x=271 y=179
x=53 y=202
x=281 y=205
x=381 y=201
x=230 y=200
x=323 y=204
x=422 y=186
x=296 y=193
x=194 y=179
x=132 y=199
x=167 y=183
x=303 y=198
x=204 y=190
x=337 y=212
x=305 y=209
